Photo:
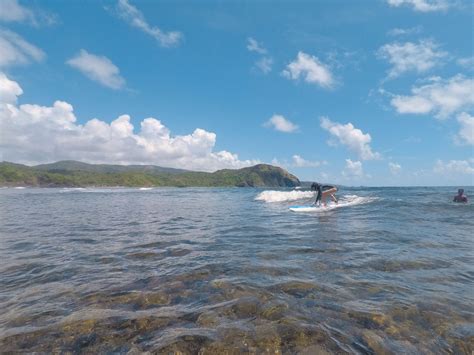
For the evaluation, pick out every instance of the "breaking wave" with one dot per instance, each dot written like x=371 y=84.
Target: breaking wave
x=282 y=196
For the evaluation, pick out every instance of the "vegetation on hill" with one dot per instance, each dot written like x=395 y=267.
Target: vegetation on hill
x=77 y=174
x=72 y=165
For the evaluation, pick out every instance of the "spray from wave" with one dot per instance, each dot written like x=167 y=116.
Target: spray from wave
x=282 y=196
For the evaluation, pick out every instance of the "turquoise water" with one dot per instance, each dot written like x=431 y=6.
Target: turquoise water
x=212 y=270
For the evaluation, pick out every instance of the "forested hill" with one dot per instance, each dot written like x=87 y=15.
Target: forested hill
x=77 y=174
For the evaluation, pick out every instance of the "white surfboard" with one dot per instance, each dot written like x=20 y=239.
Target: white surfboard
x=345 y=201
x=307 y=208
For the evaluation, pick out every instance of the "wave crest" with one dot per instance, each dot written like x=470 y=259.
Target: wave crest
x=282 y=196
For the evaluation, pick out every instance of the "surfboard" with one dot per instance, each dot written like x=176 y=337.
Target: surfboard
x=345 y=201
x=307 y=208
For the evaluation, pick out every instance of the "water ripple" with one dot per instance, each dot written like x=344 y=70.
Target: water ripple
x=213 y=270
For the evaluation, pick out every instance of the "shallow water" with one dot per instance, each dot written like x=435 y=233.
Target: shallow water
x=213 y=270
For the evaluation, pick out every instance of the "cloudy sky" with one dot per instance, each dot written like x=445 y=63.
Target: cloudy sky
x=376 y=92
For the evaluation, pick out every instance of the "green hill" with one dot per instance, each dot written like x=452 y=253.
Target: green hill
x=78 y=174
x=72 y=165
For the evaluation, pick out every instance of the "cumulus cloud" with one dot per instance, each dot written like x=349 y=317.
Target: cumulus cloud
x=466 y=132
x=439 y=97
x=300 y=162
x=280 y=123
x=254 y=46
x=9 y=90
x=264 y=64
x=454 y=167
x=394 y=168
x=135 y=18
x=353 y=138
x=310 y=69
x=98 y=68
x=416 y=57
x=38 y=134
x=353 y=169
x=15 y=50
x=422 y=5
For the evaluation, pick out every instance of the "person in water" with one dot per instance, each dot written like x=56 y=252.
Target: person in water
x=323 y=192
x=460 y=197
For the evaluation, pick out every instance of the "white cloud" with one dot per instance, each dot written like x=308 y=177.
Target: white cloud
x=454 y=167
x=467 y=62
x=405 y=31
x=417 y=57
x=98 y=68
x=13 y=11
x=310 y=69
x=440 y=97
x=300 y=162
x=466 y=132
x=15 y=50
x=135 y=18
x=297 y=161
x=254 y=46
x=353 y=138
x=280 y=123
x=394 y=168
x=37 y=134
x=422 y=5
x=264 y=64
x=277 y=162
x=9 y=90
x=353 y=169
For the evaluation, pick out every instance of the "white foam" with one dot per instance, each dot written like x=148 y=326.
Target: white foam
x=344 y=201
x=145 y=188
x=71 y=189
x=282 y=196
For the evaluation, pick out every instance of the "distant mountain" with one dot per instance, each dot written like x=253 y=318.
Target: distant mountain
x=77 y=174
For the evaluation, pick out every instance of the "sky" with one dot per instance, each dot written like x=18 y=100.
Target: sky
x=373 y=93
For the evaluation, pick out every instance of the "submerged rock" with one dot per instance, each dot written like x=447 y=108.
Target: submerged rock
x=136 y=300
x=298 y=288
x=375 y=342
x=274 y=310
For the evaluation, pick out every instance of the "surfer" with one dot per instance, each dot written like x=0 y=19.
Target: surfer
x=317 y=187
x=324 y=191
x=460 y=197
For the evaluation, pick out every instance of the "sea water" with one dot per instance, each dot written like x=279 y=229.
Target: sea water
x=204 y=270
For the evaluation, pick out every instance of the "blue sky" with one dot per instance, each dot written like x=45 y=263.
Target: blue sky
x=360 y=93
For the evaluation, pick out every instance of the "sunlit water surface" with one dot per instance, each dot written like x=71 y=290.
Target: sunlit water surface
x=212 y=270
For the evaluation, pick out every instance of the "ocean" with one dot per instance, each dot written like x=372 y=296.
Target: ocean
x=233 y=270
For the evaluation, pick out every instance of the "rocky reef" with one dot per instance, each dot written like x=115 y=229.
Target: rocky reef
x=197 y=313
